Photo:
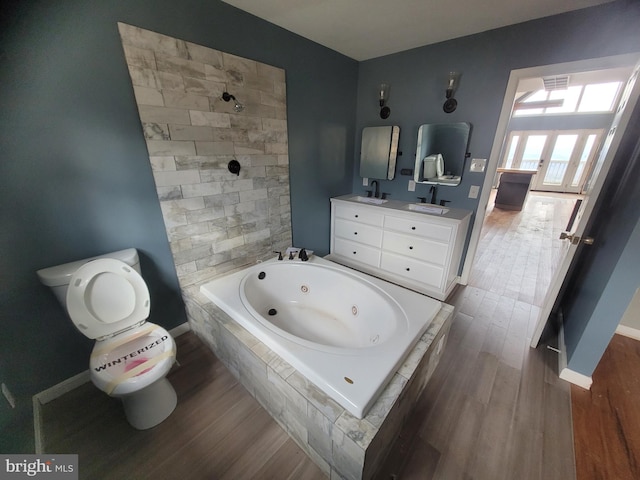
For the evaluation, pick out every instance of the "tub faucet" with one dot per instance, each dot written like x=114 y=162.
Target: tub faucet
x=279 y=255
x=303 y=255
x=377 y=191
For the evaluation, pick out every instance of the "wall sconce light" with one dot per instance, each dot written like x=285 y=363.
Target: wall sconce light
x=238 y=107
x=451 y=103
x=383 y=96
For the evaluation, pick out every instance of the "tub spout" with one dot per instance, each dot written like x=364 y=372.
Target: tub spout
x=279 y=255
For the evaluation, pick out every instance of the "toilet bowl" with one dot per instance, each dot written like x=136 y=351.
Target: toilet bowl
x=107 y=300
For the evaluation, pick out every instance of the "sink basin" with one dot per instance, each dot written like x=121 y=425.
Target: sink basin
x=375 y=201
x=428 y=208
x=450 y=179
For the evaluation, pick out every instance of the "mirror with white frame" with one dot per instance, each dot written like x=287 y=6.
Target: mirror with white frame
x=441 y=153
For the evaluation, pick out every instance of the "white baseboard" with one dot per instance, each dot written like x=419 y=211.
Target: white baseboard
x=66 y=386
x=628 y=332
x=566 y=373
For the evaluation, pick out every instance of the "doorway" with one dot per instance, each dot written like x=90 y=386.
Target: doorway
x=581 y=163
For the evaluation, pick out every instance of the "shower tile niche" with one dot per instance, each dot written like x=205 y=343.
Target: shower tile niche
x=215 y=221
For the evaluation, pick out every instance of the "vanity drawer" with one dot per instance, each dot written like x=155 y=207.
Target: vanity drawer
x=358 y=232
x=416 y=247
x=413 y=269
x=357 y=252
x=415 y=227
x=361 y=214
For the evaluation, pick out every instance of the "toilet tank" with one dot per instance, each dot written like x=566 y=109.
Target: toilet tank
x=58 y=277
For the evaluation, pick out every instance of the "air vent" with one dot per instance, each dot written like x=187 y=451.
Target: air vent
x=557 y=82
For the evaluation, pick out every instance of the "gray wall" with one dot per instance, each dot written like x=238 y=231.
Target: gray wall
x=76 y=179
x=418 y=79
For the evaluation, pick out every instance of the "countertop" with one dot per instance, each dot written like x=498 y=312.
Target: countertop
x=516 y=170
x=397 y=205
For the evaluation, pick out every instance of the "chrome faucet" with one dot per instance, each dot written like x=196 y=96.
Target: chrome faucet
x=377 y=191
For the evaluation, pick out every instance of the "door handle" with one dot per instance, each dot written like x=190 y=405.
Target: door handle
x=575 y=239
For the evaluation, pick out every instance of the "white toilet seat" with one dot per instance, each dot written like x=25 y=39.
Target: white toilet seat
x=132 y=360
x=107 y=296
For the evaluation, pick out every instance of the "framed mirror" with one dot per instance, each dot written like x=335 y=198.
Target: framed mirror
x=379 y=151
x=441 y=153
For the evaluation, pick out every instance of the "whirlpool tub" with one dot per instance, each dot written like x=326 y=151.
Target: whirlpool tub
x=345 y=331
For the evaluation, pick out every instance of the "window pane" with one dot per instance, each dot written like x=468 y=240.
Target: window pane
x=570 y=96
x=532 y=152
x=539 y=96
x=559 y=159
x=599 y=97
x=512 y=151
x=588 y=146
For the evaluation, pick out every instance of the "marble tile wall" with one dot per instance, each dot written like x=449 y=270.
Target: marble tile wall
x=215 y=220
x=343 y=446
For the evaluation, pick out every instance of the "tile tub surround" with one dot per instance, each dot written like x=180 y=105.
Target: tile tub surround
x=215 y=221
x=342 y=445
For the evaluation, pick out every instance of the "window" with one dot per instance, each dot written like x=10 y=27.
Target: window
x=591 y=98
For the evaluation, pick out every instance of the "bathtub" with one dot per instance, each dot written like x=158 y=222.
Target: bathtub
x=345 y=331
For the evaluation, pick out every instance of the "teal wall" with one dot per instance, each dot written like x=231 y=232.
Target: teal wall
x=75 y=174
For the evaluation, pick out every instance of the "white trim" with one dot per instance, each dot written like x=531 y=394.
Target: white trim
x=576 y=378
x=61 y=388
x=180 y=330
x=37 y=426
x=628 y=332
x=566 y=373
x=68 y=385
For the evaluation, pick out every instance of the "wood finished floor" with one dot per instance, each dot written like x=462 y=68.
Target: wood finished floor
x=494 y=409
x=607 y=417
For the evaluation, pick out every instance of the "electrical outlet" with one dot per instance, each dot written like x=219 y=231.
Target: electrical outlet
x=478 y=164
x=474 y=191
x=365 y=182
x=8 y=395
x=412 y=186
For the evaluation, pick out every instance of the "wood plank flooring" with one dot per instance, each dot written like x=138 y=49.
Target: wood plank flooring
x=218 y=431
x=607 y=417
x=494 y=408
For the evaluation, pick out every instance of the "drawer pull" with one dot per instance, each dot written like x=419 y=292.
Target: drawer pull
x=413 y=228
x=356 y=216
x=410 y=247
x=355 y=233
x=408 y=269
x=355 y=253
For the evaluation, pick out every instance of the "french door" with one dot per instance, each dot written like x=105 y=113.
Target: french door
x=563 y=158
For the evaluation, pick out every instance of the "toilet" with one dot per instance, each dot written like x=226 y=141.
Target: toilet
x=108 y=300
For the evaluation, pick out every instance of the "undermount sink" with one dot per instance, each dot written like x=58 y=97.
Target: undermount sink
x=427 y=208
x=375 y=201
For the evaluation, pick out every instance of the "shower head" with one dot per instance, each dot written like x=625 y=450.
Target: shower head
x=237 y=107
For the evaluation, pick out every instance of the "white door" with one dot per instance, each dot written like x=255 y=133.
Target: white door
x=572 y=240
x=563 y=158
x=567 y=161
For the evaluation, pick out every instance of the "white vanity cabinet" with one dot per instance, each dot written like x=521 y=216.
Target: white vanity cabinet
x=417 y=250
